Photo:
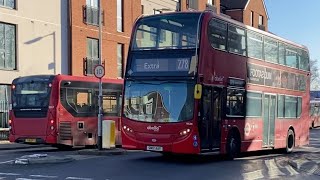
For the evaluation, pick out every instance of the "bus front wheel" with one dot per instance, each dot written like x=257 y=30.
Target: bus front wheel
x=233 y=144
x=290 y=141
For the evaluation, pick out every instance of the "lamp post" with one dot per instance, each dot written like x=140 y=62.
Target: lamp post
x=100 y=81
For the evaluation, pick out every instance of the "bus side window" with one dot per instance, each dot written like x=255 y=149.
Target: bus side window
x=235 y=102
x=217 y=32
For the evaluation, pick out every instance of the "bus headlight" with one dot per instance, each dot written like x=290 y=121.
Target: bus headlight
x=185 y=132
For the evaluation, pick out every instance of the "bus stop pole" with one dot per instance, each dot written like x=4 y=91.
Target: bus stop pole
x=100 y=80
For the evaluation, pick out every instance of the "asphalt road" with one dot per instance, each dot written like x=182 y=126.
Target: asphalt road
x=152 y=166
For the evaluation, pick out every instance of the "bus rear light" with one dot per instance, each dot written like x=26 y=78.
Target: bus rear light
x=52 y=128
x=52 y=121
x=10 y=122
x=50 y=85
x=185 y=132
x=13 y=86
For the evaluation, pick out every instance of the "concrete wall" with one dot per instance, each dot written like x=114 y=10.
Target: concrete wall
x=41 y=38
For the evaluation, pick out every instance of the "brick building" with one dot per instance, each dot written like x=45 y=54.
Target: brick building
x=118 y=19
x=250 y=12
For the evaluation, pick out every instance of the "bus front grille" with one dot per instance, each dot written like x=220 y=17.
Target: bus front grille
x=65 y=131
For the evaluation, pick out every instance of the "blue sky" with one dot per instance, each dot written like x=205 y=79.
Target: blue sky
x=297 y=21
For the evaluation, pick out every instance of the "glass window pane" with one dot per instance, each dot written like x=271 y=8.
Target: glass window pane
x=280 y=106
x=304 y=61
x=270 y=50
x=235 y=106
x=282 y=53
x=254 y=104
x=299 y=110
x=291 y=57
x=10 y=47
x=2 y=2
x=120 y=59
x=1 y=36
x=290 y=107
x=217 y=32
x=89 y=48
x=254 y=45
x=119 y=16
x=9 y=3
x=236 y=40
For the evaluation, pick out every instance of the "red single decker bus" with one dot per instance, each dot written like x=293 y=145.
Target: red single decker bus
x=197 y=82
x=61 y=110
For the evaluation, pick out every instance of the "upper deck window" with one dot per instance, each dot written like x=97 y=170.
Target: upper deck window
x=177 y=31
x=218 y=34
x=237 y=40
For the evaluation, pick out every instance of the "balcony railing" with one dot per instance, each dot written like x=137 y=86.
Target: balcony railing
x=91 y=15
x=89 y=64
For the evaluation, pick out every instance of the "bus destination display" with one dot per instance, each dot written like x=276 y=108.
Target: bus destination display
x=162 y=65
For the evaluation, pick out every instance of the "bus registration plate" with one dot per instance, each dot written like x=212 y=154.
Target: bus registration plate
x=154 y=148
x=30 y=140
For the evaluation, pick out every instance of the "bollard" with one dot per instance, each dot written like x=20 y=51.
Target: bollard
x=108 y=134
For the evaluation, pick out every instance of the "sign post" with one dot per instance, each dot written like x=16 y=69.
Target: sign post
x=99 y=73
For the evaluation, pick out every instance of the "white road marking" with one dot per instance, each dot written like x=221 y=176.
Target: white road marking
x=10 y=174
x=312 y=170
x=43 y=176
x=6 y=162
x=25 y=179
x=78 y=178
x=291 y=170
x=273 y=170
x=253 y=175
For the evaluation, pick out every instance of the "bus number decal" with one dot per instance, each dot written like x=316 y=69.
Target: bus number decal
x=183 y=64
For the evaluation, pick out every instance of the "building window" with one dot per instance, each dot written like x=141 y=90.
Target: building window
x=209 y=2
x=156 y=11
x=260 y=20
x=92 y=12
x=251 y=18
x=192 y=4
x=8 y=3
x=7 y=46
x=92 y=55
x=4 y=106
x=142 y=9
x=120 y=51
x=120 y=15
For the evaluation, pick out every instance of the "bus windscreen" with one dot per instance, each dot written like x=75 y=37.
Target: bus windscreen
x=31 y=95
x=159 y=101
x=177 y=31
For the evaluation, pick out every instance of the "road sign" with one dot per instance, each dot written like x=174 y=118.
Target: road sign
x=99 y=71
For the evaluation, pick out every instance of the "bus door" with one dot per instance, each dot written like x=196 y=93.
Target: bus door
x=210 y=120
x=269 y=120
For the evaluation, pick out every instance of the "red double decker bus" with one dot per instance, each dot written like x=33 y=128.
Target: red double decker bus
x=197 y=82
x=61 y=110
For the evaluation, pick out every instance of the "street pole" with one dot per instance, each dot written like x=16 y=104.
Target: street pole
x=100 y=81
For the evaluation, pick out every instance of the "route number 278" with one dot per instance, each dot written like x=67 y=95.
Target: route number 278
x=183 y=64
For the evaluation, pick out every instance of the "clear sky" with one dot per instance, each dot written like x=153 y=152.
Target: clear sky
x=297 y=21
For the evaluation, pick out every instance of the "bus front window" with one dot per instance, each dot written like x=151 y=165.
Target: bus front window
x=31 y=95
x=177 y=31
x=159 y=101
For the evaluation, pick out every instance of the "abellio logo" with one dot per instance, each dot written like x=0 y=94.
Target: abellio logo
x=154 y=128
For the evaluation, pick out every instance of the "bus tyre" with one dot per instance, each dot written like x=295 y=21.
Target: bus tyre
x=290 y=141
x=233 y=145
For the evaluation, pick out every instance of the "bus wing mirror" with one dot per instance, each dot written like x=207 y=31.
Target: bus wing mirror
x=197 y=91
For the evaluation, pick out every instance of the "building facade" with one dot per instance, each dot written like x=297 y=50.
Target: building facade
x=32 y=41
x=250 y=12
x=117 y=21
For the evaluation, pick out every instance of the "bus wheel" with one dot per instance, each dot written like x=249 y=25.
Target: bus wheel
x=290 y=141
x=233 y=145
